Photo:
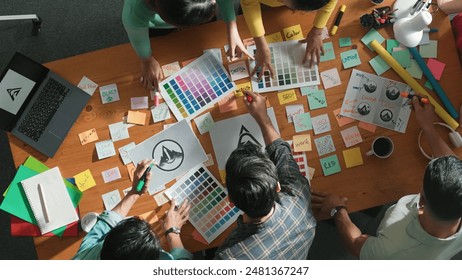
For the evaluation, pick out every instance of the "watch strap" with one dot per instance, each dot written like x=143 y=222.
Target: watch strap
x=172 y=229
x=337 y=208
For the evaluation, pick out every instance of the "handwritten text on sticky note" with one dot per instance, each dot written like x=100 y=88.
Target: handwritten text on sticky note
x=109 y=93
x=111 y=174
x=88 y=136
x=302 y=143
x=84 y=180
x=287 y=96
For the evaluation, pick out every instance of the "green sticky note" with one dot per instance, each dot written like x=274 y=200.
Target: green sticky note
x=403 y=57
x=344 y=42
x=329 y=53
x=350 y=58
x=308 y=89
x=317 y=100
x=414 y=69
x=371 y=36
x=330 y=165
x=380 y=66
x=428 y=85
x=302 y=122
x=391 y=44
x=430 y=50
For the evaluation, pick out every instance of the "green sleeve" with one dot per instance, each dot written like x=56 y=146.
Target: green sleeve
x=136 y=23
x=226 y=8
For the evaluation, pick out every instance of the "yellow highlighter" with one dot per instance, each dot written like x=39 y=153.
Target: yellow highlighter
x=337 y=20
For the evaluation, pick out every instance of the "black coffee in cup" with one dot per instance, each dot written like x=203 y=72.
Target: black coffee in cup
x=383 y=147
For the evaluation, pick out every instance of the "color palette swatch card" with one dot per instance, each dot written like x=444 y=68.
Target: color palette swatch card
x=330 y=165
x=105 y=149
x=351 y=136
x=330 y=78
x=324 y=145
x=320 y=124
x=289 y=72
x=300 y=159
x=211 y=212
x=109 y=93
x=196 y=87
x=238 y=70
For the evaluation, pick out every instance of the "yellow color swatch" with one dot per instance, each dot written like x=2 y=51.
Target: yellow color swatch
x=287 y=96
x=293 y=33
x=223 y=176
x=353 y=157
x=84 y=180
x=302 y=143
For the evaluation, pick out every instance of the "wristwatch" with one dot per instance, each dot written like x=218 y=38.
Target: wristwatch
x=172 y=229
x=335 y=210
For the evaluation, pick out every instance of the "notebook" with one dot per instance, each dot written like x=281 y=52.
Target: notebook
x=37 y=105
x=49 y=200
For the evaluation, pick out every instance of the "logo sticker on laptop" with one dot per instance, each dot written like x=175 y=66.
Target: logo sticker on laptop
x=14 y=89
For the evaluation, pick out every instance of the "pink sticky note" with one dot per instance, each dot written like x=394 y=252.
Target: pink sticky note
x=436 y=67
x=367 y=126
x=228 y=103
x=351 y=136
x=341 y=120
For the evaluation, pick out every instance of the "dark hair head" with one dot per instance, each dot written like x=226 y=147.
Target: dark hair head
x=131 y=239
x=185 y=12
x=307 y=5
x=251 y=180
x=442 y=188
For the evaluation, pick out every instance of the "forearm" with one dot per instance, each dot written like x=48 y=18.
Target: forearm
x=323 y=14
x=174 y=240
x=139 y=39
x=267 y=129
x=450 y=6
x=437 y=144
x=351 y=236
x=124 y=206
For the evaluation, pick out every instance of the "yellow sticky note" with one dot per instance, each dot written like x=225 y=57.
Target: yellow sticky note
x=241 y=88
x=131 y=170
x=287 y=96
x=136 y=117
x=293 y=33
x=88 y=136
x=302 y=143
x=223 y=175
x=84 y=180
x=353 y=157
x=273 y=38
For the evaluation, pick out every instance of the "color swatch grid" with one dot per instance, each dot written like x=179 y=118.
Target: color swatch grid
x=211 y=212
x=300 y=159
x=201 y=83
x=286 y=59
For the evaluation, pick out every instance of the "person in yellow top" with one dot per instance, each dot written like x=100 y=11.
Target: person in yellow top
x=252 y=14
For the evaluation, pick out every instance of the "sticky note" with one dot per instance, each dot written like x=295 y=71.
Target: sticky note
x=209 y=161
x=329 y=53
x=171 y=68
x=84 y=180
x=105 y=149
x=350 y=58
x=293 y=33
x=131 y=170
x=351 y=136
x=353 y=157
x=330 y=78
x=138 y=103
x=123 y=152
x=344 y=42
x=160 y=113
x=414 y=70
x=324 y=145
x=118 y=131
x=111 y=199
x=436 y=67
x=136 y=117
x=302 y=122
x=238 y=70
x=428 y=85
x=311 y=171
x=367 y=126
x=305 y=90
x=287 y=96
x=379 y=65
x=403 y=57
x=88 y=136
x=161 y=198
x=243 y=87
x=111 y=174
x=317 y=100
x=228 y=103
x=391 y=44
x=371 y=36
x=302 y=143
x=187 y=61
x=320 y=124
x=87 y=85
x=204 y=123
x=430 y=50
x=109 y=93
x=330 y=165
x=341 y=120
x=292 y=110
x=274 y=38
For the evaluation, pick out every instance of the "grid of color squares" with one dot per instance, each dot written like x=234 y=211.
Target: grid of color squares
x=286 y=59
x=300 y=159
x=191 y=90
x=211 y=212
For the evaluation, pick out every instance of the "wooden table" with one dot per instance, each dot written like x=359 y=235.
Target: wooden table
x=374 y=183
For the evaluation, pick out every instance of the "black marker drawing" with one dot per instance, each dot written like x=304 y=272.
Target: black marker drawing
x=392 y=92
x=386 y=115
x=364 y=108
x=370 y=86
x=168 y=154
x=13 y=92
x=245 y=136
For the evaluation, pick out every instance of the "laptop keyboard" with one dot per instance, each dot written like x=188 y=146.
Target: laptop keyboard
x=43 y=109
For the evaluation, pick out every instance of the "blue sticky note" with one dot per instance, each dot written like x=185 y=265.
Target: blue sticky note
x=371 y=36
x=329 y=53
x=403 y=57
x=317 y=100
x=344 y=42
x=302 y=122
x=391 y=44
x=330 y=165
x=308 y=89
x=350 y=58
x=380 y=66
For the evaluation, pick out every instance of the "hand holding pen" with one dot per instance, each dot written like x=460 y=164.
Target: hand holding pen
x=142 y=176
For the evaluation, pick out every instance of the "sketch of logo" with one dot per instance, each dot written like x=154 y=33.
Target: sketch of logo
x=168 y=154
x=392 y=92
x=364 y=108
x=245 y=137
x=386 y=115
x=370 y=86
x=13 y=92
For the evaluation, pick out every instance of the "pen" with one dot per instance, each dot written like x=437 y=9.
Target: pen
x=410 y=96
x=44 y=203
x=430 y=30
x=249 y=98
x=337 y=20
x=142 y=180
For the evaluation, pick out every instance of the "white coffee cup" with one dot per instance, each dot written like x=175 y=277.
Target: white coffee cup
x=382 y=147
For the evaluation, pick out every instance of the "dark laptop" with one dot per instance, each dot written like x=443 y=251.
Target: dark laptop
x=38 y=106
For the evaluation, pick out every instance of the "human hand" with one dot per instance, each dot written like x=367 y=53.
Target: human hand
x=322 y=203
x=236 y=47
x=314 y=47
x=151 y=73
x=262 y=58
x=138 y=174
x=256 y=107
x=177 y=217
x=424 y=113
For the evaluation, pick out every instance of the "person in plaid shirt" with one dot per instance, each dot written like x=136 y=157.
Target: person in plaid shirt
x=267 y=186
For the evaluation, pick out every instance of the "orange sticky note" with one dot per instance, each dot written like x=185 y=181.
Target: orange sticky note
x=84 y=180
x=293 y=33
x=228 y=103
x=341 y=120
x=273 y=38
x=302 y=143
x=287 y=96
x=88 y=136
x=241 y=88
x=353 y=157
x=367 y=126
x=136 y=117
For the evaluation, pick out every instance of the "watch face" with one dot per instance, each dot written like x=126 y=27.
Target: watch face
x=333 y=211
